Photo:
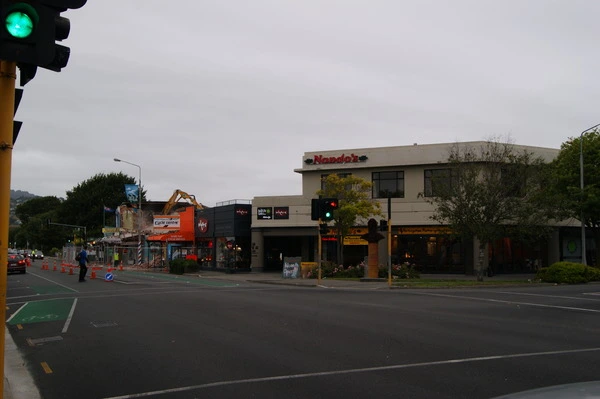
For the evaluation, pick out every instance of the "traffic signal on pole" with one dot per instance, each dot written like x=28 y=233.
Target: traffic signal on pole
x=326 y=208
x=29 y=31
x=323 y=229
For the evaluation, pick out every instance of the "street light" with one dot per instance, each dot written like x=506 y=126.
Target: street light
x=139 y=250
x=583 y=249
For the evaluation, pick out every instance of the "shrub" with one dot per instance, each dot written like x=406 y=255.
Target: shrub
x=568 y=273
x=403 y=271
x=181 y=266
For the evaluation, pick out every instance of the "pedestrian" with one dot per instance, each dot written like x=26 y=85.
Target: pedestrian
x=83 y=261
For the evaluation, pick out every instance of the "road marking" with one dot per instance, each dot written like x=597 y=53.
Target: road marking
x=46 y=368
x=539 y=305
x=351 y=371
x=548 y=296
x=54 y=282
x=68 y=322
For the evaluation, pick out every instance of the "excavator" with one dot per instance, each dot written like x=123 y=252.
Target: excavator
x=178 y=195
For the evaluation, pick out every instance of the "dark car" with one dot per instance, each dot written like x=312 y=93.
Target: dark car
x=38 y=255
x=16 y=263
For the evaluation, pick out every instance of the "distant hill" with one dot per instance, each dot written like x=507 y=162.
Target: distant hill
x=17 y=197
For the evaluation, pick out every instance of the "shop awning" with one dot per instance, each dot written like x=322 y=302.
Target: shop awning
x=173 y=237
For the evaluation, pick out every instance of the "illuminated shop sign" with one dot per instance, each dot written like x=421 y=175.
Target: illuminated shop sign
x=321 y=159
x=281 y=212
x=264 y=213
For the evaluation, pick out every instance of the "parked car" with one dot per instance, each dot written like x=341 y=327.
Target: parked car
x=16 y=263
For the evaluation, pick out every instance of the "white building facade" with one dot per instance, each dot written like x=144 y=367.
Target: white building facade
x=282 y=225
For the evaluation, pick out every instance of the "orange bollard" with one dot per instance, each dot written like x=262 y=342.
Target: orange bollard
x=62 y=269
x=93 y=274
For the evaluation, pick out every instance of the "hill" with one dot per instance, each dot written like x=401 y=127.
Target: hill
x=17 y=197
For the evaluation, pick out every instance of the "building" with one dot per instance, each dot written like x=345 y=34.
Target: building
x=282 y=225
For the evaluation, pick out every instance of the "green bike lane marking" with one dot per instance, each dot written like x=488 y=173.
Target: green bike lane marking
x=41 y=311
x=181 y=279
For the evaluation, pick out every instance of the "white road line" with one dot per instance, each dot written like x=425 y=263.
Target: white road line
x=548 y=296
x=66 y=327
x=539 y=305
x=47 y=279
x=350 y=371
x=17 y=312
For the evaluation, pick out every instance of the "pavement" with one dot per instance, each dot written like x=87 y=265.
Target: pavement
x=18 y=384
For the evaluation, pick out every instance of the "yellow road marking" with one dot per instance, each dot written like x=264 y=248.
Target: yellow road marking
x=46 y=368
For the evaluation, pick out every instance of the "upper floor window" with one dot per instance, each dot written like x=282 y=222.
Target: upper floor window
x=437 y=181
x=388 y=184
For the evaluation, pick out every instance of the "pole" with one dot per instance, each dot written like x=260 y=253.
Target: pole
x=583 y=247
x=389 y=241
x=8 y=76
x=139 y=249
x=319 y=250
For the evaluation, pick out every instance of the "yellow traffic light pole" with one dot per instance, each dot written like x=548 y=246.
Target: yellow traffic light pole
x=8 y=76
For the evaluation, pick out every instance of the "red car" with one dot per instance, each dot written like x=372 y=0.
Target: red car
x=16 y=263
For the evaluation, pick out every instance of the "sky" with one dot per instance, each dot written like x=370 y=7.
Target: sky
x=221 y=99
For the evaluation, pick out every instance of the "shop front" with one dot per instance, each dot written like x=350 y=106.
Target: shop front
x=223 y=237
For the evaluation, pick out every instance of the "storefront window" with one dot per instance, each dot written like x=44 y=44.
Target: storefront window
x=388 y=184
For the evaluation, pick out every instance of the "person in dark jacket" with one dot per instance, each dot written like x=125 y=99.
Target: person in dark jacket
x=83 y=261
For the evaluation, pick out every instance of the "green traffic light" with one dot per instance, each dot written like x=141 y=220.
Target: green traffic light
x=19 y=24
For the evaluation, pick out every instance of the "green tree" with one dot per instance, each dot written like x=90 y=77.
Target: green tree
x=489 y=193
x=34 y=230
x=355 y=204
x=565 y=185
x=84 y=205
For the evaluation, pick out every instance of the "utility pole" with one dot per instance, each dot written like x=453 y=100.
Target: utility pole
x=8 y=76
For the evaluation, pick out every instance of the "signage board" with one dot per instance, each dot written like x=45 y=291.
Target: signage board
x=281 y=212
x=264 y=213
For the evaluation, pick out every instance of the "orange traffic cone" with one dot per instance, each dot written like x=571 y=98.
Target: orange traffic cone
x=70 y=271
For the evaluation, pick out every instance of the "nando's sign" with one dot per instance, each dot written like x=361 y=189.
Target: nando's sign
x=343 y=158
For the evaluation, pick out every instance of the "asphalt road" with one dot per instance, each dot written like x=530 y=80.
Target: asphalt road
x=160 y=336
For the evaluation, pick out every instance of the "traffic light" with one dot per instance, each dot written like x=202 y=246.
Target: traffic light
x=30 y=29
x=323 y=229
x=326 y=208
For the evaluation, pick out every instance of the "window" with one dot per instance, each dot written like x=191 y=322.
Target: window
x=340 y=175
x=437 y=181
x=513 y=181
x=388 y=184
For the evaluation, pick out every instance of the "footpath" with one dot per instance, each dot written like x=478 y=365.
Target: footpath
x=18 y=384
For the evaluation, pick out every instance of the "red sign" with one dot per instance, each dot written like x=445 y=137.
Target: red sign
x=320 y=159
x=203 y=225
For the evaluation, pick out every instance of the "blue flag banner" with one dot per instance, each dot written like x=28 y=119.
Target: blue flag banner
x=132 y=191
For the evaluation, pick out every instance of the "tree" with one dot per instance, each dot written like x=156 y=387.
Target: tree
x=34 y=230
x=489 y=193
x=355 y=204
x=84 y=205
x=565 y=185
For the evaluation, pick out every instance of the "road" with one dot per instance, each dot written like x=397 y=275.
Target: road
x=159 y=336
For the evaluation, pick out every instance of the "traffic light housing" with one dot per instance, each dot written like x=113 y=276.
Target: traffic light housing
x=29 y=31
x=326 y=208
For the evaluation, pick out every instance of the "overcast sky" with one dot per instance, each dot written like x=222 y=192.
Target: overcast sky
x=221 y=98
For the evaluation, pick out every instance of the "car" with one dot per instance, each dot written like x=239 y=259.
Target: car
x=16 y=263
x=38 y=254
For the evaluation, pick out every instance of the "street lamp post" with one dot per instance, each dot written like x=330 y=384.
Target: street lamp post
x=139 y=249
x=583 y=248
